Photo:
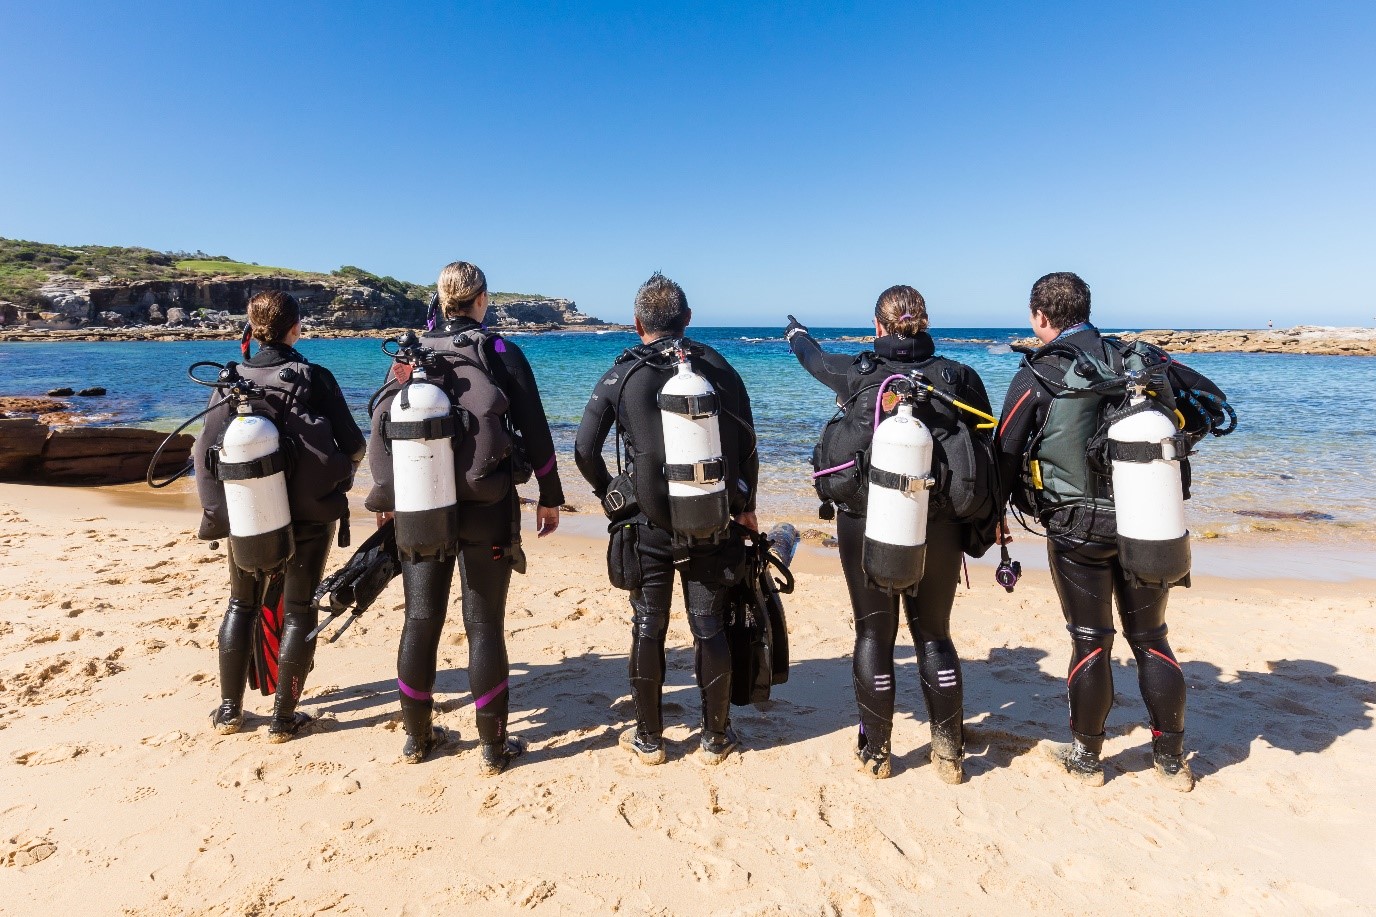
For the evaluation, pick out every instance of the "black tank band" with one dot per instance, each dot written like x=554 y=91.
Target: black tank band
x=1119 y=451
x=904 y=483
x=693 y=406
x=709 y=472
x=434 y=428
x=264 y=467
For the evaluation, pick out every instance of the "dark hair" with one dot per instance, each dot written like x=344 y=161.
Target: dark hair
x=901 y=310
x=661 y=306
x=1063 y=298
x=272 y=314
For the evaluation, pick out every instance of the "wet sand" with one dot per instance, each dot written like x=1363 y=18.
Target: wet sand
x=123 y=802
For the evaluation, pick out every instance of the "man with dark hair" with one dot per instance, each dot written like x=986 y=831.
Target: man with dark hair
x=660 y=307
x=1038 y=454
x=645 y=549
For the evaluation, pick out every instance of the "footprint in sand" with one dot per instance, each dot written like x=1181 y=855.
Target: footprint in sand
x=23 y=853
x=140 y=793
x=50 y=755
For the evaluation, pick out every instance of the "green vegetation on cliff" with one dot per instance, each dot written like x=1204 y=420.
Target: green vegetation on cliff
x=25 y=266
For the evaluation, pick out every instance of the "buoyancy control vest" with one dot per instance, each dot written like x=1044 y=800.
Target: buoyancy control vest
x=640 y=427
x=1109 y=406
x=963 y=464
x=482 y=441
x=317 y=471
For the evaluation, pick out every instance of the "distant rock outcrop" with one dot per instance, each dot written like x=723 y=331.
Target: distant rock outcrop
x=34 y=452
x=1307 y=339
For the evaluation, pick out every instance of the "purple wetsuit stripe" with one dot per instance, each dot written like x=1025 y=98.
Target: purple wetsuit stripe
x=836 y=469
x=499 y=345
x=412 y=692
x=490 y=696
x=546 y=468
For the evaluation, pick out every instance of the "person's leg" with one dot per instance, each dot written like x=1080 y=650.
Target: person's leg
x=929 y=620
x=235 y=648
x=1083 y=578
x=1143 y=611
x=485 y=581
x=708 y=577
x=296 y=653
x=426 y=586
x=649 y=625
x=876 y=632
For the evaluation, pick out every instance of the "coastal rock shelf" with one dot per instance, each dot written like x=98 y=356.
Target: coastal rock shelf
x=1306 y=339
x=31 y=451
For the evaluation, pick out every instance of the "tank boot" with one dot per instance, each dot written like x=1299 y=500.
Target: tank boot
x=227 y=718
x=648 y=748
x=1080 y=758
x=284 y=728
x=874 y=757
x=1168 y=758
x=948 y=755
x=716 y=747
x=497 y=756
x=419 y=747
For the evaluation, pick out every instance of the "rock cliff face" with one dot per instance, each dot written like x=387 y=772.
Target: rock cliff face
x=1307 y=339
x=220 y=303
x=342 y=304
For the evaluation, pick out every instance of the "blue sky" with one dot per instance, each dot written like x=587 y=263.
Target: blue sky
x=1201 y=165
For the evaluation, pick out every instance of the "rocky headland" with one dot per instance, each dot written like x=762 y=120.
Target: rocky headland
x=50 y=292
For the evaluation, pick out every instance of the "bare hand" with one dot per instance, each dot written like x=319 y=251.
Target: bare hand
x=384 y=518
x=546 y=520
x=1003 y=535
x=748 y=520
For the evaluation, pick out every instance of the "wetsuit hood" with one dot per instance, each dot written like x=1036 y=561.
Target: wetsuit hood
x=275 y=355
x=908 y=349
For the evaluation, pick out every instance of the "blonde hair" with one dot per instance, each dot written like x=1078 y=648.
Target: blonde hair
x=901 y=310
x=459 y=285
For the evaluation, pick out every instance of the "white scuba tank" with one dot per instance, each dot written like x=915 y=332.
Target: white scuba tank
x=693 y=463
x=1153 y=543
x=256 y=493
x=420 y=433
x=899 y=492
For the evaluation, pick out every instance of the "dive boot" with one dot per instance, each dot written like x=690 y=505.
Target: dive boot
x=281 y=729
x=874 y=758
x=498 y=756
x=1080 y=758
x=227 y=718
x=948 y=756
x=715 y=749
x=649 y=749
x=1168 y=757
x=418 y=748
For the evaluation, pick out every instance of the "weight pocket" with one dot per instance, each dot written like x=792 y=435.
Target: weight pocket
x=623 y=558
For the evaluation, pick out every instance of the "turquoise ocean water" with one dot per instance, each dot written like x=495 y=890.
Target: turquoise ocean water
x=1304 y=443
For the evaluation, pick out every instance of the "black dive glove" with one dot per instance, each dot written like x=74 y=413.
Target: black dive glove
x=794 y=327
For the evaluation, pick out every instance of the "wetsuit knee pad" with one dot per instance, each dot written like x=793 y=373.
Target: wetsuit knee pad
x=649 y=623
x=1154 y=638
x=1088 y=639
x=706 y=626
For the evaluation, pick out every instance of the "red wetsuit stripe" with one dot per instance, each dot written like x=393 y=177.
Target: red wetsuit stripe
x=1009 y=416
x=1161 y=655
x=1081 y=664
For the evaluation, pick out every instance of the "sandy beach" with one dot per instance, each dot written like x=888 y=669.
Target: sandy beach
x=120 y=800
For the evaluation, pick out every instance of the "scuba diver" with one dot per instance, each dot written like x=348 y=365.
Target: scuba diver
x=686 y=468
x=946 y=487
x=1111 y=503
x=265 y=630
x=457 y=424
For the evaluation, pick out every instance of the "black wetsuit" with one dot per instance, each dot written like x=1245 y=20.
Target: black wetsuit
x=301 y=576
x=1088 y=578
x=626 y=395
x=489 y=538
x=928 y=613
